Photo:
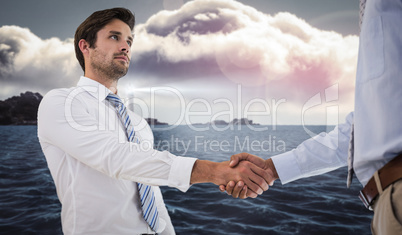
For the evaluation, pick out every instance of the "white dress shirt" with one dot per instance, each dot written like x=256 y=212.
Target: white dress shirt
x=378 y=106
x=94 y=167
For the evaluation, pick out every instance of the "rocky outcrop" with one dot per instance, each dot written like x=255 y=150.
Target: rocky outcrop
x=154 y=121
x=20 y=110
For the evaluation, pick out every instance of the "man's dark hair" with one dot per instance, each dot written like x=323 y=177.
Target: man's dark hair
x=95 y=22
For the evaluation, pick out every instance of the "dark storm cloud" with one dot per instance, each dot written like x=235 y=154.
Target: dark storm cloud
x=31 y=63
x=216 y=39
x=151 y=64
x=203 y=40
x=9 y=47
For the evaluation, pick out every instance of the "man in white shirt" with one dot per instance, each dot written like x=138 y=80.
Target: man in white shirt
x=376 y=146
x=85 y=143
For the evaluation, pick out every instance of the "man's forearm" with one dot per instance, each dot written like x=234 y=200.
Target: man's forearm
x=202 y=172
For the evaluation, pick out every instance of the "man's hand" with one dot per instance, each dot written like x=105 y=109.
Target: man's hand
x=239 y=190
x=220 y=173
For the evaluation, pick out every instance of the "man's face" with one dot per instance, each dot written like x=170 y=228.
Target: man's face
x=111 y=54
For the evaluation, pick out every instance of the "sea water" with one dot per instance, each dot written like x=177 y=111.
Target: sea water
x=316 y=205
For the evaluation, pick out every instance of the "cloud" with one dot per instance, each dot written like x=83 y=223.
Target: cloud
x=205 y=48
x=212 y=39
x=31 y=63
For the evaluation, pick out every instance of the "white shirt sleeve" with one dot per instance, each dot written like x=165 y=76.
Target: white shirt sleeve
x=320 y=154
x=101 y=148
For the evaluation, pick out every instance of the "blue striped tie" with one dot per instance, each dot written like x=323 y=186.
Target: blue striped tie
x=149 y=209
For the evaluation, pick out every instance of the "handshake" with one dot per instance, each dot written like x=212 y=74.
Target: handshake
x=246 y=175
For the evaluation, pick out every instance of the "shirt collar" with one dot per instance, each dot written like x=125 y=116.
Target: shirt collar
x=94 y=88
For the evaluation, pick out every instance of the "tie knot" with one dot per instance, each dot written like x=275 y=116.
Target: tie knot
x=114 y=99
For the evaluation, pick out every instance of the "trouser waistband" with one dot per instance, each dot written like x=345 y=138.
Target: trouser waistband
x=384 y=177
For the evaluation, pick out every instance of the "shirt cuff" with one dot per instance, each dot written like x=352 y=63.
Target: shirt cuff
x=180 y=173
x=286 y=167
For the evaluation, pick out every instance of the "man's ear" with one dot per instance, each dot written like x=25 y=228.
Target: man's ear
x=84 y=46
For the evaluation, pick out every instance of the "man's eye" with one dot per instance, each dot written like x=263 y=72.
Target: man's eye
x=114 y=37
x=129 y=43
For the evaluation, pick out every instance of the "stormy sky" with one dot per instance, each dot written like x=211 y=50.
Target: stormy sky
x=276 y=62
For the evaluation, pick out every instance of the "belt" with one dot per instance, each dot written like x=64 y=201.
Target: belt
x=388 y=174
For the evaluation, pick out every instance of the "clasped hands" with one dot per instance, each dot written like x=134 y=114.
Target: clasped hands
x=255 y=176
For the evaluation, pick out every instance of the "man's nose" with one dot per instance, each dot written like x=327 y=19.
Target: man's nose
x=125 y=47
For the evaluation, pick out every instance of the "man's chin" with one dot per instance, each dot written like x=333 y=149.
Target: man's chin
x=120 y=71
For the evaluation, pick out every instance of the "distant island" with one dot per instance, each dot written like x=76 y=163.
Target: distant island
x=23 y=110
x=154 y=121
x=235 y=122
x=20 y=110
x=242 y=121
